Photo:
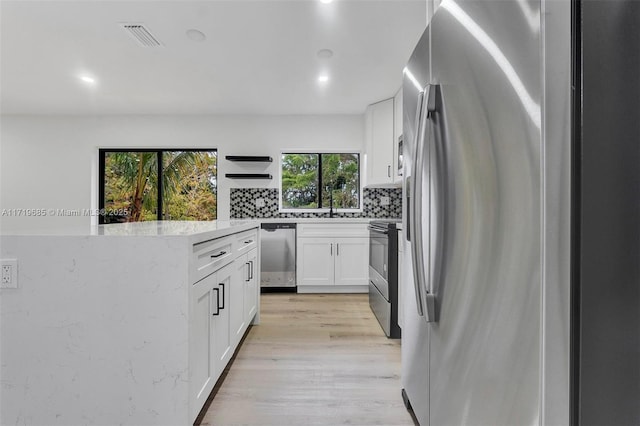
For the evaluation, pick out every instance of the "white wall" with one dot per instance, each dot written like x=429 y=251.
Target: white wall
x=50 y=162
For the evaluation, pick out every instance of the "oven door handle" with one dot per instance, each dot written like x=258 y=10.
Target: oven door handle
x=379 y=230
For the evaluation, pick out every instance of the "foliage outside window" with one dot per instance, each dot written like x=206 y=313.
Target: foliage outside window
x=151 y=184
x=310 y=179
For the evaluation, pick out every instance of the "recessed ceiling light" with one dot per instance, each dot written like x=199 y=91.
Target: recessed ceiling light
x=323 y=78
x=196 y=35
x=87 y=79
x=325 y=53
x=326 y=1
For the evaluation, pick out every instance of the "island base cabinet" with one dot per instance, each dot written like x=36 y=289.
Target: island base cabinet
x=251 y=286
x=202 y=374
x=240 y=277
x=244 y=294
x=222 y=304
x=211 y=334
x=122 y=324
x=222 y=322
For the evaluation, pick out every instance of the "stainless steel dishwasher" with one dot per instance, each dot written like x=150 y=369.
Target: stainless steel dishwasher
x=278 y=257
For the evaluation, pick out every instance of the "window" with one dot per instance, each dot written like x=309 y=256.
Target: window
x=153 y=184
x=311 y=180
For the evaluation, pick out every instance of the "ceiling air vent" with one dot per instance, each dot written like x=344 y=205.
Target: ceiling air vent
x=141 y=34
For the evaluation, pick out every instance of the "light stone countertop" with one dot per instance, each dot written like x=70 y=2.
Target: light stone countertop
x=196 y=230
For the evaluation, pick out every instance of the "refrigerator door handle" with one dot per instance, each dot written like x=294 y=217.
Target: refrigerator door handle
x=424 y=135
x=415 y=207
x=436 y=215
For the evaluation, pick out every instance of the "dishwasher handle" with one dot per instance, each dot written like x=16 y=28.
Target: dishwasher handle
x=271 y=227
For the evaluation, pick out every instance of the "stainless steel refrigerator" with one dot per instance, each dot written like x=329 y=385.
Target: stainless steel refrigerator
x=506 y=296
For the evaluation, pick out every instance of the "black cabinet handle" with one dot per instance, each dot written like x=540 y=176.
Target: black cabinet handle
x=248 y=242
x=221 y=307
x=219 y=254
x=217 y=312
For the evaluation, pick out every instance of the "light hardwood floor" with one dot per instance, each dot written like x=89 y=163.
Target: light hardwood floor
x=313 y=360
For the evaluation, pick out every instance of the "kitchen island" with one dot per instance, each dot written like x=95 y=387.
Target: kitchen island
x=124 y=324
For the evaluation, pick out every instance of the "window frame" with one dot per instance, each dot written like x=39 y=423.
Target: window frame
x=320 y=209
x=159 y=151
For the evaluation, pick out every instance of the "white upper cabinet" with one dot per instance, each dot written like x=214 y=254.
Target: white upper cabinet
x=397 y=137
x=379 y=144
x=383 y=133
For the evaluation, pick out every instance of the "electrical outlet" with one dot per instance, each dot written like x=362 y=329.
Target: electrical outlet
x=259 y=202
x=385 y=201
x=9 y=273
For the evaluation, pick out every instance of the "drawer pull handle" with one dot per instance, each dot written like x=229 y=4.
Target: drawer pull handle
x=219 y=254
x=248 y=242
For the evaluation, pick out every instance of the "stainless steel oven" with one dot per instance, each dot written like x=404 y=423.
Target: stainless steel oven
x=383 y=275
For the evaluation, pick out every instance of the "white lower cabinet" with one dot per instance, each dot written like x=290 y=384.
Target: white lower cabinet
x=212 y=343
x=251 y=289
x=336 y=262
x=202 y=374
x=222 y=305
x=351 y=262
x=315 y=263
x=238 y=323
x=222 y=320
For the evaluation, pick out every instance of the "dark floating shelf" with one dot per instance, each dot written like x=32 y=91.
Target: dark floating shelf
x=248 y=176
x=254 y=158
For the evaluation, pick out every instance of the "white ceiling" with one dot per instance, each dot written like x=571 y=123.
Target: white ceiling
x=259 y=57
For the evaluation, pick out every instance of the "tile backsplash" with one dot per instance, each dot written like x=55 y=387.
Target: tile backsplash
x=244 y=204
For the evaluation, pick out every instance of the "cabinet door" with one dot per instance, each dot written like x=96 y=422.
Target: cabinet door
x=204 y=299
x=251 y=287
x=352 y=261
x=238 y=283
x=397 y=133
x=381 y=147
x=315 y=261
x=222 y=322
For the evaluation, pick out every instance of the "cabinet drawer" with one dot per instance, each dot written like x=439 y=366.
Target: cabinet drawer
x=211 y=255
x=333 y=230
x=245 y=241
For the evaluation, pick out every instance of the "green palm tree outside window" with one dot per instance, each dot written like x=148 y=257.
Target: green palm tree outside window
x=158 y=184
